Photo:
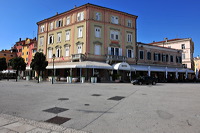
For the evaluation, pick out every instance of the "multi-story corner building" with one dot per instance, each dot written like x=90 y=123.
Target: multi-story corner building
x=197 y=66
x=186 y=45
x=88 y=33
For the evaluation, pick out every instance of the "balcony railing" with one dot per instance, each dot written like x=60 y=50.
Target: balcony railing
x=110 y=58
x=79 y=57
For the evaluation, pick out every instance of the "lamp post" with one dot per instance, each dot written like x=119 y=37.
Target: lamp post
x=53 y=57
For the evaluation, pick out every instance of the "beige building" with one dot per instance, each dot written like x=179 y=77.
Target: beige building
x=88 y=33
x=186 y=45
x=197 y=66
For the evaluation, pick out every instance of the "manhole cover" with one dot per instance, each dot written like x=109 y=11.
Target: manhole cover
x=96 y=95
x=58 y=120
x=55 y=110
x=62 y=99
x=117 y=98
x=87 y=104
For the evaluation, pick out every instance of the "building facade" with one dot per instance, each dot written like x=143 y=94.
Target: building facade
x=88 y=33
x=186 y=45
x=197 y=67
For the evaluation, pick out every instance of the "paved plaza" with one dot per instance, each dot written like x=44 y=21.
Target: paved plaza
x=27 y=106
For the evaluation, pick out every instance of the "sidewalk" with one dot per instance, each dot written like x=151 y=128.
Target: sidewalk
x=12 y=124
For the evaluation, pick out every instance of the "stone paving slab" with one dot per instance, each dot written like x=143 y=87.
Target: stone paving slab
x=13 y=124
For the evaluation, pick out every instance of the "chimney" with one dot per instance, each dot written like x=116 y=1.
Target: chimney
x=20 y=39
x=75 y=6
x=166 y=39
x=56 y=13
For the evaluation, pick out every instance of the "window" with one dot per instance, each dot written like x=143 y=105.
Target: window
x=129 y=53
x=79 y=48
x=148 y=55
x=58 y=37
x=68 y=21
x=67 y=51
x=51 y=39
x=4 y=54
x=182 y=46
x=80 y=32
x=129 y=23
x=58 y=51
x=41 y=41
x=26 y=53
x=67 y=35
x=34 y=51
x=164 y=58
x=97 y=49
x=129 y=37
x=42 y=28
x=183 y=55
x=97 y=32
x=178 y=59
x=51 y=26
x=171 y=58
x=156 y=57
x=59 y=23
x=114 y=51
x=80 y=16
x=114 y=35
x=114 y=20
x=97 y=16
x=141 y=54
x=50 y=53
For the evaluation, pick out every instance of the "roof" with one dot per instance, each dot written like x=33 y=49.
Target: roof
x=171 y=40
x=86 y=5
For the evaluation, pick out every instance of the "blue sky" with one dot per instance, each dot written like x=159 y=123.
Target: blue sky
x=157 y=19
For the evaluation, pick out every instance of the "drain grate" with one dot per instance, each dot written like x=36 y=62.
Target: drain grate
x=116 y=98
x=55 y=110
x=96 y=95
x=62 y=99
x=58 y=120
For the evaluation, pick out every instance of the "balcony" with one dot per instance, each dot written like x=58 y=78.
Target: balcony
x=79 y=57
x=115 y=58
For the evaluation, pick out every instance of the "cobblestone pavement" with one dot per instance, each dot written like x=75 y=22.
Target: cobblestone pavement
x=27 y=106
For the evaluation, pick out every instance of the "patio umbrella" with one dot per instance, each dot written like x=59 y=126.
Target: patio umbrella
x=149 y=71
x=166 y=72
x=176 y=73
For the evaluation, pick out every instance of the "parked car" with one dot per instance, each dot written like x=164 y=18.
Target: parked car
x=144 y=80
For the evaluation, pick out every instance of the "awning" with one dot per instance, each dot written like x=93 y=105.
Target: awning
x=159 y=69
x=84 y=64
x=121 y=66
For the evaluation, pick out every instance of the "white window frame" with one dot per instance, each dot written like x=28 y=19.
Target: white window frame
x=80 y=16
x=68 y=20
x=42 y=28
x=51 y=39
x=129 y=37
x=59 y=37
x=114 y=35
x=98 y=32
x=79 y=48
x=129 y=53
x=80 y=32
x=51 y=26
x=115 y=51
x=183 y=55
x=97 y=16
x=58 y=52
x=50 y=53
x=67 y=51
x=129 y=23
x=97 y=49
x=59 y=23
x=115 y=19
x=41 y=41
x=67 y=35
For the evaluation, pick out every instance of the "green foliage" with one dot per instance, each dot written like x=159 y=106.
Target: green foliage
x=3 y=64
x=39 y=62
x=18 y=64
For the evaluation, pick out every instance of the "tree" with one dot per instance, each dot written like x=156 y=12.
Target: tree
x=3 y=63
x=18 y=64
x=39 y=63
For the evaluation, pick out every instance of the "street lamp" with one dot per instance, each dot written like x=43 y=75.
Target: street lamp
x=53 y=57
